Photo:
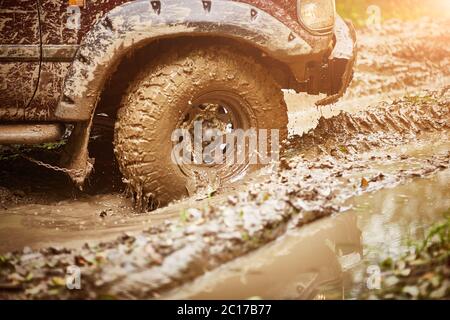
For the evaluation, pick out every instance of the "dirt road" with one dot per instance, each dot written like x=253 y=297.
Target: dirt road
x=369 y=174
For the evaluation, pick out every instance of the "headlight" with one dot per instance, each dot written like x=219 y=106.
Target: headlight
x=317 y=15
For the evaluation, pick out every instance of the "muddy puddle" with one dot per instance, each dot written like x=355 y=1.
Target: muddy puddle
x=331 y=258
x=73 y=222
x=78 y=219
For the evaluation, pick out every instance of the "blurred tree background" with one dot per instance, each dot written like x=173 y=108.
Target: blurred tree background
x=357 y=10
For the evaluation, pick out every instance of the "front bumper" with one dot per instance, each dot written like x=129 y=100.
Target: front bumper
x=336 y=73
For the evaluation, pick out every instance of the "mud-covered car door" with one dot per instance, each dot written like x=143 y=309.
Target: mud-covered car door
x=20 y=56
x=60 y=27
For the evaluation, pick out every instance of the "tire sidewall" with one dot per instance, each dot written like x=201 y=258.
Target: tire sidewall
x=264 y=109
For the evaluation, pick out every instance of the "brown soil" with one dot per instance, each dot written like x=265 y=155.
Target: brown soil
x=347 y=154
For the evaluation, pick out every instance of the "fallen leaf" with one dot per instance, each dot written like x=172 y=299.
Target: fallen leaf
x=364 y=183
x=439 y=293
x=413 y=291
x=391 y=281
x=58 y=281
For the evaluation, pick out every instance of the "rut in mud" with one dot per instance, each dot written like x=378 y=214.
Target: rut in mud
x=300 y=191
x=384 y=124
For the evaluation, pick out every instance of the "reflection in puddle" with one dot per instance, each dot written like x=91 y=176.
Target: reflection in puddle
x=288 y=268
x=389 y=219
x=329 y=259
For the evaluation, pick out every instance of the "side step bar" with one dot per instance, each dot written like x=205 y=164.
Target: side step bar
x=30 y=133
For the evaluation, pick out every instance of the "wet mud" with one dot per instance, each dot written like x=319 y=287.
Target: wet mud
x=382 y=124
x=401 y=57
x=330 y=258
x=146 y=264
x=196 y=249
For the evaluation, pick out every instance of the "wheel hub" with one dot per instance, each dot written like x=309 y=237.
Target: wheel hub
x=213 y=116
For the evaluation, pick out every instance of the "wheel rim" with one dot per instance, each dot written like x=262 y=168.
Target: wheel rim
x=217 y=110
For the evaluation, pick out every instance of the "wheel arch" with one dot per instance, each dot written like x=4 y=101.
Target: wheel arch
x=138 y=24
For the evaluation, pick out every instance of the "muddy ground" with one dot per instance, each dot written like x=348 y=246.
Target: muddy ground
x=306 y=223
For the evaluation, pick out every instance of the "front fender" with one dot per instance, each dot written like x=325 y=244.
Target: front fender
x=137 y=23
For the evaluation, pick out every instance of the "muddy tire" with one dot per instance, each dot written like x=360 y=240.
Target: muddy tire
x=154 y=104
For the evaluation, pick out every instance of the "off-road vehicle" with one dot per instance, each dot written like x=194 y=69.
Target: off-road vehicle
x=143 y=68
